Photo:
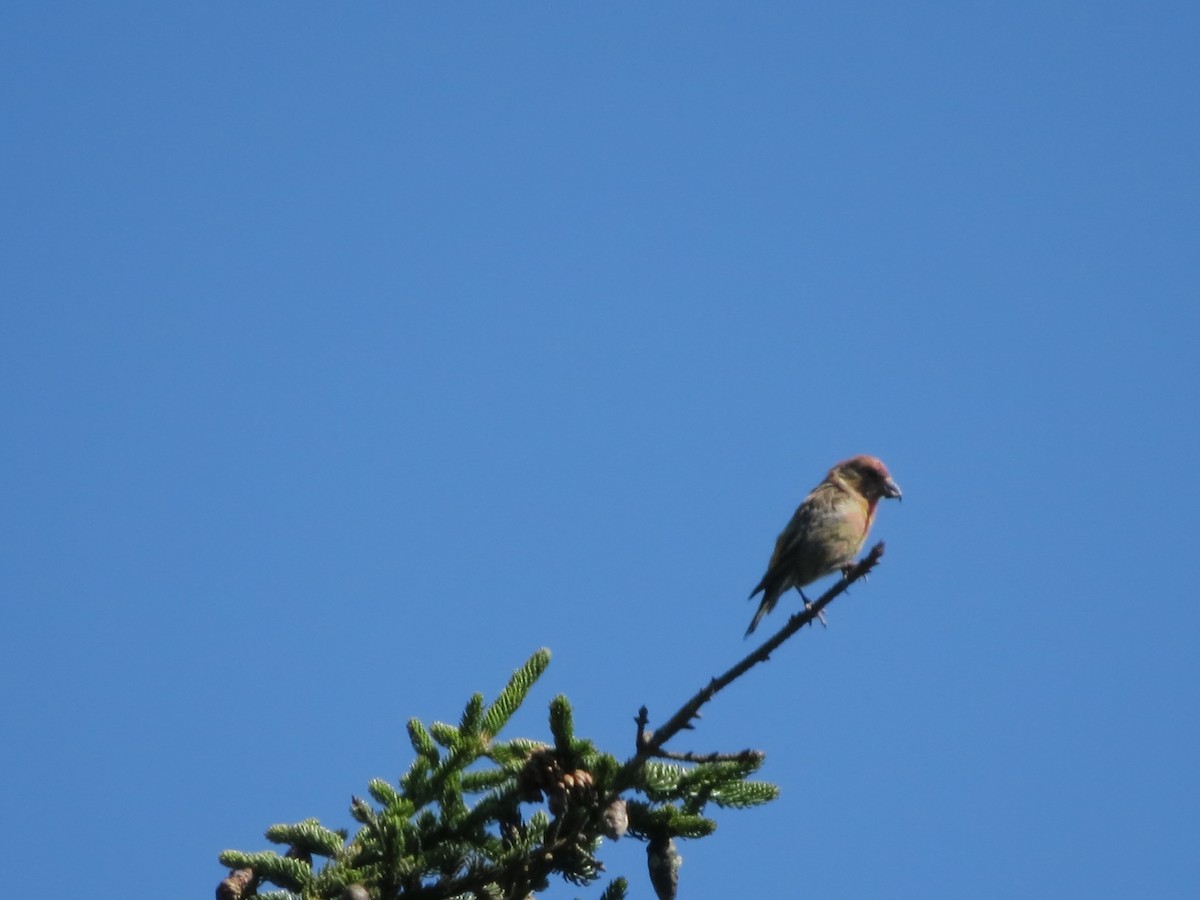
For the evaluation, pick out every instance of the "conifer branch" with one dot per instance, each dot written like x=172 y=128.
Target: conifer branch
x=425 y=841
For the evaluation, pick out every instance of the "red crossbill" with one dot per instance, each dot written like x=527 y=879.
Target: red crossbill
x=827 y=530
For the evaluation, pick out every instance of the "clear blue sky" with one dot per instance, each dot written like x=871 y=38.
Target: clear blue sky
x=352 y=352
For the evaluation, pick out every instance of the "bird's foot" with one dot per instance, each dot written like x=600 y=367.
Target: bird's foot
x=820 y=615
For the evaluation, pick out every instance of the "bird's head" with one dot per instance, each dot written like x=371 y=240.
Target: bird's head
x=867 y=475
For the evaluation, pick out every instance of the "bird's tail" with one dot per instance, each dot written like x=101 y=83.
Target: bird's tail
x=767 y=604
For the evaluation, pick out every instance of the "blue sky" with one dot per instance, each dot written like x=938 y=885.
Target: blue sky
x=351 y=354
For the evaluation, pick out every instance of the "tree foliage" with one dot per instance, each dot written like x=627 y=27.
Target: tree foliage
x=477 y=817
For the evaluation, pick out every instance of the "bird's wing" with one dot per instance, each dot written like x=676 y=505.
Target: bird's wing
x=825 y=533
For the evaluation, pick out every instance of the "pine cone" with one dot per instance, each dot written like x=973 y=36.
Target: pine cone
x=615 y=819
x=239 y=884
x=663 y=863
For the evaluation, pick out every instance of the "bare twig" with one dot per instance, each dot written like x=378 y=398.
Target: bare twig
x=689 y=756
x=651 y=743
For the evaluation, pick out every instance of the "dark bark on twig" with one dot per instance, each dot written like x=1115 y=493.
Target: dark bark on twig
x=689 y=756
x=650 y=744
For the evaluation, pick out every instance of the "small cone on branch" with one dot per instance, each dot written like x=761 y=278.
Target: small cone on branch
x=615 y=819
x=543 y=774
x=239 y=884
x=663 y=862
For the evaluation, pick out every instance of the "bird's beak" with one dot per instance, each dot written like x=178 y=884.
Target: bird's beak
x=891 y=489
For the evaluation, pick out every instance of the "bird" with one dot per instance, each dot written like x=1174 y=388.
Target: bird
x=826 y=531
